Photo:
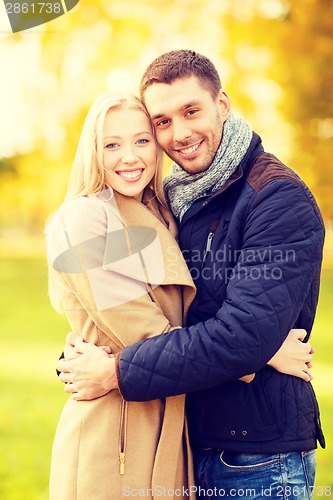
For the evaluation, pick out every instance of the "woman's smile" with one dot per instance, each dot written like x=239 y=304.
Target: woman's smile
x=131 y=175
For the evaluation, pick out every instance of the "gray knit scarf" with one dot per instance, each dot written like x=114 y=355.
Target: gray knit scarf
x=182 y=188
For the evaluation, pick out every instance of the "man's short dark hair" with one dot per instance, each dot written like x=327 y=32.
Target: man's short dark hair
x=179 y=64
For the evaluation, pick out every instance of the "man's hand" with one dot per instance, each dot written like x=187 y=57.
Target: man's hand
x=294 y=357
x=69 y=350
x=87 y=370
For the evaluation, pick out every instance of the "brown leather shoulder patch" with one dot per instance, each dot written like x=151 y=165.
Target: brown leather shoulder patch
x=268 y=168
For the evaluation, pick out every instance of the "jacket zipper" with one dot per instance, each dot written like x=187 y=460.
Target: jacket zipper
x=209 y=242
x=122 y=436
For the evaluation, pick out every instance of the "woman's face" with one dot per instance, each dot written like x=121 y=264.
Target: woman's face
x=129 y=151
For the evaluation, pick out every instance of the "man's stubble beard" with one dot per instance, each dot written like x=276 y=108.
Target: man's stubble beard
x=210 y=155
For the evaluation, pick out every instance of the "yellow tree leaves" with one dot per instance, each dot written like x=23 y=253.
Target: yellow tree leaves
x=275 y=59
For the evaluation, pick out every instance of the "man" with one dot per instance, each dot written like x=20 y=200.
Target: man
x=252 y=236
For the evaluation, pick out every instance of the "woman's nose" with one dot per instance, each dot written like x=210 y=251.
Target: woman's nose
x=129 y=157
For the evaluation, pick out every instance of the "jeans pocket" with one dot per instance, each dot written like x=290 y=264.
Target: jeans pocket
x=309 y=466
x=248 y=461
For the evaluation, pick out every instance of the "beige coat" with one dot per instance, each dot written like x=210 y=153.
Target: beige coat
x=121 y=278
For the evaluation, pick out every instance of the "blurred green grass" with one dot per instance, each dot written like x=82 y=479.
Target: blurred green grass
x=31 y=338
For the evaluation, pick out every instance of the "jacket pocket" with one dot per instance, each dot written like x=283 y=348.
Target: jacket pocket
x=239 y=412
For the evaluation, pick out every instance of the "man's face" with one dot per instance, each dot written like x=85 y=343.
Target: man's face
x=188 y=121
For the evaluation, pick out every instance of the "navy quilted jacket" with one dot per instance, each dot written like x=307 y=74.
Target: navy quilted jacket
x=254 y=250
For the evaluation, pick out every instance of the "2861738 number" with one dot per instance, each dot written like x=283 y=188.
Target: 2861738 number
x=34 y=8
x=295 y=491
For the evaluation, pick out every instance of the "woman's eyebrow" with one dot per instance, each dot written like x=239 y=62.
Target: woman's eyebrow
x=135 y=135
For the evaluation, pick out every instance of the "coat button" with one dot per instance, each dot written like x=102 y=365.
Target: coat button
x=244 y=433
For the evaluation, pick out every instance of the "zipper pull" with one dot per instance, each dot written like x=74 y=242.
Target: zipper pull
x=208 y=246
x=209 y=241
x=121 y=463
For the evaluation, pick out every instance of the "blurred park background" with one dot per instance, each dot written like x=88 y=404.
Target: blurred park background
x=275 y=58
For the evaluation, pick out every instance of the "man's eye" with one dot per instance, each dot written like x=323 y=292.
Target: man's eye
x=161 y=123
x=192 y=111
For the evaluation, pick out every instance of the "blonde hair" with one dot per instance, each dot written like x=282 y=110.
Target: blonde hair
x=87 y=175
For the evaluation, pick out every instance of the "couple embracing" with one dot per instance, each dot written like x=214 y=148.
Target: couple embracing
x=153 y=322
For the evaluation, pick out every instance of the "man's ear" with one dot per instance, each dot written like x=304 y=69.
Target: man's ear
x=223 y=103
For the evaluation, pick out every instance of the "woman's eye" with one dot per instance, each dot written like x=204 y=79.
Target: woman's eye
x=111 y=145
x=143 y=141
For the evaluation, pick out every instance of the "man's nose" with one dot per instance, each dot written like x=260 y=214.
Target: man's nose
x=181 y=131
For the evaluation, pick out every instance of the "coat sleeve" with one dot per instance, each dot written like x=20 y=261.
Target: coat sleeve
x=276 y=273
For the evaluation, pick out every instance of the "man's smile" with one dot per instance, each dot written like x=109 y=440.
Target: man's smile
x=190 y=151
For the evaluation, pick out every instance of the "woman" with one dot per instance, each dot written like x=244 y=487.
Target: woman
x=116 y=271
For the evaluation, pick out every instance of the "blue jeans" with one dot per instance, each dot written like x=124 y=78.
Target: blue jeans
x=241 y=476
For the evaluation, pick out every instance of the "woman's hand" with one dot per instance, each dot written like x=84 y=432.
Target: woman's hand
x=294 y=357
